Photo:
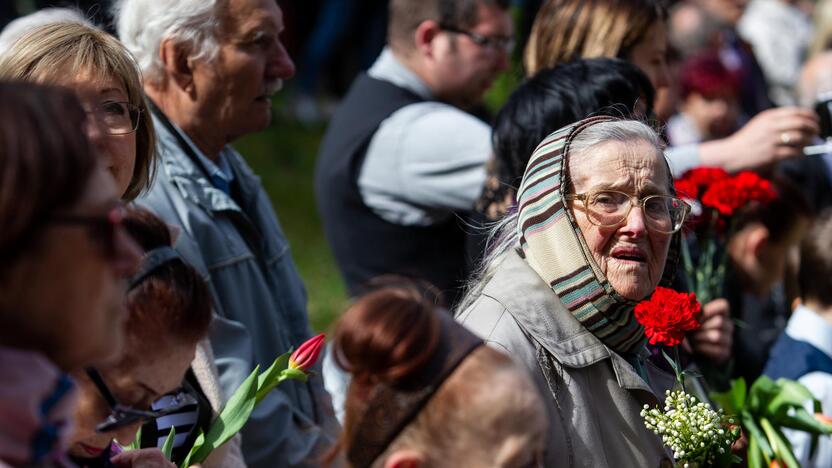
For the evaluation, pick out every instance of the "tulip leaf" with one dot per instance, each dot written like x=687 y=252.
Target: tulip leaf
x=755 y=454
x=167 y=447
x=782 y=447
x=198 y=443
x=754 y=432
x=271 y=377
x=232 y=418
x=137 y=442
x=733 y=400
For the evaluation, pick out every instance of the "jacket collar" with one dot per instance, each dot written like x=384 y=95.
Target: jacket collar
x=545 y=319
x=190 y=179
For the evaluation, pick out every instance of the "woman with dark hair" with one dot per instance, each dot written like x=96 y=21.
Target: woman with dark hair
x=168 y=312
x=549 y=100
x=65 y=256
x=426 y=393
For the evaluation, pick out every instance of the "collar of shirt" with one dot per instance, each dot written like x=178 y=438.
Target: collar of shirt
x=388 y=68
x=805 y=325
x=219 y=172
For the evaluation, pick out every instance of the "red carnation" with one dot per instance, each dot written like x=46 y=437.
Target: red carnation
x=703 y=177
x=686 y=188
x=727 y=195
x=668 y=315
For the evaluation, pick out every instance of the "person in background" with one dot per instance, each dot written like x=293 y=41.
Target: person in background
x=636 y=30
x=428 y=393
x=65 y=259
x=803 y=351
x=168 y=312
x=210 y=69
x=402 y=159
x=760 y=252
x=780 y=34
x=596 y=213
x=104 y=75
x=709 y=106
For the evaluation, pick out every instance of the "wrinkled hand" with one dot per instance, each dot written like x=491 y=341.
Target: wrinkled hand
x=772 y=135
x=715 y=337
x=142 y=458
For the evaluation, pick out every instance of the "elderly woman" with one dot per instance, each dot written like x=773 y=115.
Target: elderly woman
x=106 y=79
x=65 y=255
x=595 y=224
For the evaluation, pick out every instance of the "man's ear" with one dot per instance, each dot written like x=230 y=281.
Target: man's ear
x=424 y=35
x=405 y=459
x=177 y=64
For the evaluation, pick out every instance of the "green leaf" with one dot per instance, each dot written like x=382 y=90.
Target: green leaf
x=803 y=421
x=762 y=391
x=167 y=447
x=782 y=447
x=733 y=400
x=198 y=443
x=295 y=374
x=755 y=454
x=790 y=395
x=270 y=378
x=232 y=418
x=754 y=432
x=137 y=442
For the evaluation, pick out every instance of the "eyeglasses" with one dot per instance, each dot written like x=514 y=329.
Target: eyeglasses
x=495 y=43
x=662 y=213
x=122 y=415
x=101 y=229
x=117 y=117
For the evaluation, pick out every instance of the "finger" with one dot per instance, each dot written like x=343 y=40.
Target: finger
x=711 y=336
x=791 y=112
x=800 y=125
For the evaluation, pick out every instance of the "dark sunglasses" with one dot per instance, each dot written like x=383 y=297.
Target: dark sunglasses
x=101 y=229
x=122 y=416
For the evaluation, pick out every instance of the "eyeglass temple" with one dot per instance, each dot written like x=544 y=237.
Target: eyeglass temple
x=93 y=374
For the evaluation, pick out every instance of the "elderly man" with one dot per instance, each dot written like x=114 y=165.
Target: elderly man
x=210 y=70
x=401 y=157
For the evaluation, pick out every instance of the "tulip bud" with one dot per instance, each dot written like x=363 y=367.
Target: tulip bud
x=823 y=418
x=305 y=356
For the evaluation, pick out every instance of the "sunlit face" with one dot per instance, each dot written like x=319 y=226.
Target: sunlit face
x=650 y=55
x=72 y=285
x=630 y=255
x=462 y=71
x=117 y=152
x=155 y=370
x=234 y=90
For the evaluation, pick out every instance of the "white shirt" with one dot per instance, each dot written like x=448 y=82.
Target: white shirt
x=807 y=326
x=426 y=160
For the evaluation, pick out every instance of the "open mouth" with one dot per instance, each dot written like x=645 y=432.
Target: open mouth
x=629 y=255
x=92 y=451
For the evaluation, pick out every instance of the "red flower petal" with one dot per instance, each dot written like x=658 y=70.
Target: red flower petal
x=307 y=354
x=667 y=315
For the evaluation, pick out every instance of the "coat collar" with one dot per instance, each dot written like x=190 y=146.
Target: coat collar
x=190 y=180
x=545 y=319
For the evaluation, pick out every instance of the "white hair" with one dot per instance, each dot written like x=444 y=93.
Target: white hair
x=21 y=26
x=142 y=25
x=503 y=236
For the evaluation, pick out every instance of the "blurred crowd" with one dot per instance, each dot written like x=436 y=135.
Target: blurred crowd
x=493 y=261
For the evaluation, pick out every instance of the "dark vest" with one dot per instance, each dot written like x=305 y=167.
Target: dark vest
x=792 y=359
x=364 y=244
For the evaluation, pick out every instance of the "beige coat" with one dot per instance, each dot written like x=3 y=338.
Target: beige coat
x=593 y=395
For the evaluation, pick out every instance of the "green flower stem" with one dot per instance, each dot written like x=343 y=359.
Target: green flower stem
x=680 y=374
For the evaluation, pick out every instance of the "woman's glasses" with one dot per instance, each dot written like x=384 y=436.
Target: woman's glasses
x=605 y=208
x=102 y=228
x=122 y=415
x=117 y=117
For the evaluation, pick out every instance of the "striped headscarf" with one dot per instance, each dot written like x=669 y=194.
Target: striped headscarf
x=554 y=247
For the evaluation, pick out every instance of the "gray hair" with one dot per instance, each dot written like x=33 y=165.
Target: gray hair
x=142 y=25
x=503 y=235
x=23 y=25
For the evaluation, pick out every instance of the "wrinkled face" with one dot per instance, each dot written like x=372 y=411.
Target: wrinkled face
x=630 y=255
x=98 y=94
x=462 y=70
x=72 y=285
x=716 y=116
x=650 y=55
x=234 y=91
x=155 y=370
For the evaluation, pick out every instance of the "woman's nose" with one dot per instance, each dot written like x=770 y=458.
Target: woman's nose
x=127 y=434
x=635 y=223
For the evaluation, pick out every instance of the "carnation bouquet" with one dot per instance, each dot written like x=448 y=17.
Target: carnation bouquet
x=715 y=197
x=697 y=435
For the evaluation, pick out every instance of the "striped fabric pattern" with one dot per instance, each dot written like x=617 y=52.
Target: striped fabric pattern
x=554 y=247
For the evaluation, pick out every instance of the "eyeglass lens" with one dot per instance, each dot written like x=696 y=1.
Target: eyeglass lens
x=117 y=118
x=662 y=213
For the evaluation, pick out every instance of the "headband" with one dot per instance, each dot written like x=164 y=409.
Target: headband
x=391 y=408
x=153 y=260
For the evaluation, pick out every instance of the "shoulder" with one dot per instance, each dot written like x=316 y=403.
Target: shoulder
x=491 y=320
x=434 y=125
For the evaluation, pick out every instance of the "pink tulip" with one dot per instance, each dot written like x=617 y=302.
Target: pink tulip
x=305 y=356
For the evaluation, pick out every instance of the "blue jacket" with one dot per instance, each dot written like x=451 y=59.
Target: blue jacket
x=259 y=298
